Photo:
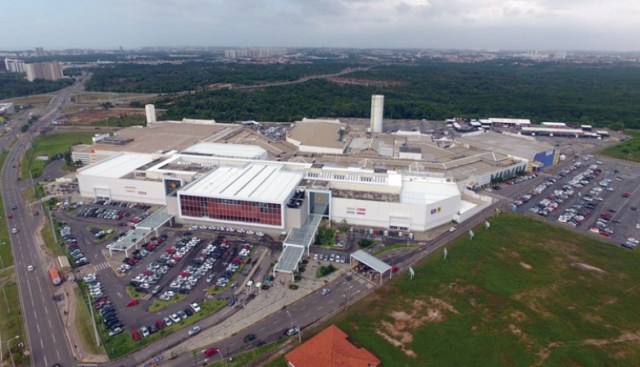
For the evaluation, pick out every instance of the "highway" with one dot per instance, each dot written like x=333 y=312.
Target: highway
x=47 y=341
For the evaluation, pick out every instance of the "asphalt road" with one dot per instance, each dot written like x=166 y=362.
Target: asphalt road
x=47 y=342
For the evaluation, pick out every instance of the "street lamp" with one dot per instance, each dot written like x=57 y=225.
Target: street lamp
x=299 y=331
x=9 y=348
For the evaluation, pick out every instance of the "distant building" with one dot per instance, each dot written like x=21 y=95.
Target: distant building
x=44 y=70
x=330 y=348
x=14 y=65
x=39 y=51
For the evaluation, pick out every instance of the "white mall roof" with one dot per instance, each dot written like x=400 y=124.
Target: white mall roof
x=227 y=150
x=426 y=191
x=267 y=183
x=117 y=166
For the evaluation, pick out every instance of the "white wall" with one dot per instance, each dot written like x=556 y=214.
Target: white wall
x=150 y=192
x=377 y=213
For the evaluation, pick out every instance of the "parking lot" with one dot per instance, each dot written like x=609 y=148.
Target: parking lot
x=169 y=276
x=594 y=195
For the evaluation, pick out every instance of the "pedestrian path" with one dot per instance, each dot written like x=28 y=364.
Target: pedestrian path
x=101 y=266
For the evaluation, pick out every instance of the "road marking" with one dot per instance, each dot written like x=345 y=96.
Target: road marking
x=262 y=328
x=38 y=327
x=41 y=343
x=319 y=308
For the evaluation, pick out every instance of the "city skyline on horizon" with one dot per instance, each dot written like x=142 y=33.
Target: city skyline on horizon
x=488 y=25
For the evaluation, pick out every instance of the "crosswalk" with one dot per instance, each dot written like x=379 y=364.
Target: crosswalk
x=101 y=266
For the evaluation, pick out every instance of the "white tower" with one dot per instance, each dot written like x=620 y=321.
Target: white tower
x=151 y=113
x=377 y=108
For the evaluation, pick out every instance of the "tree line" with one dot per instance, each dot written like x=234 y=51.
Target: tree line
x=15 y=85
x=601 y=95
x=197 y=76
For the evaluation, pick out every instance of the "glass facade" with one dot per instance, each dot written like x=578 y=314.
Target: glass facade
x=231 y=210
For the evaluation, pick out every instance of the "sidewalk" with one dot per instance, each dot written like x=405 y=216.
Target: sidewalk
x=66 y=304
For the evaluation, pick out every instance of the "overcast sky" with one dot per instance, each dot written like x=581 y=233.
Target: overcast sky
x=484 y=24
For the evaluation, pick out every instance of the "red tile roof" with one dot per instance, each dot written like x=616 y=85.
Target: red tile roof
x=330 y=348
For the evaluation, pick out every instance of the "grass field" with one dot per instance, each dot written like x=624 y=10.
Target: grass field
x=628 y=149
x=50 y=145
x=49 y=240
x=37 y=99
x=522 y=294
x=85 y=327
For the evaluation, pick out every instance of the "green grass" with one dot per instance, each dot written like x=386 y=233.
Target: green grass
x=393 y=247
x=11 y=323
x=85 y=327
x=131 y=291
x=123 y=343
x=158 y=304
x=628 y=149
x=250 y=358
x=50 y=145
x=323 y=271
x=516 y=295
x=49 y=240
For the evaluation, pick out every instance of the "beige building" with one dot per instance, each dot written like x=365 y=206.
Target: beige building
x=44 y=70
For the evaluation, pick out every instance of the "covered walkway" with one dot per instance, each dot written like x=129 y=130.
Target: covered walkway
x=141 y=232
x=297 y=241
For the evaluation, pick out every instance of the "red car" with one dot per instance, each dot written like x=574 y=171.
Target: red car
x=626 y=195
x=133 y=302
x=210 y=352
x=160 y=324
x=135 y=335
x=10 y=216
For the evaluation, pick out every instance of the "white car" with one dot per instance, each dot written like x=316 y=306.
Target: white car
x=195 y=307
x=14 y=230
x=452 y=229
x=30 y=268
x=194 y=330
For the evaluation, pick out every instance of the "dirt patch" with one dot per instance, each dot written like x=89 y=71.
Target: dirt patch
x=518 y=316
x=399 y=332
x=87 y=117
x=526 y=266
x=588 y=267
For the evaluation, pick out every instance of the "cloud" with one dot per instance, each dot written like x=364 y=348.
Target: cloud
x=515 y=24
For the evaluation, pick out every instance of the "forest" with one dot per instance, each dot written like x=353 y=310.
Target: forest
x=15 y=85
x=601 y=95
x=196 y=76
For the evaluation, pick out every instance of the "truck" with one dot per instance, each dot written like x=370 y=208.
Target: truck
x=55 y=276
